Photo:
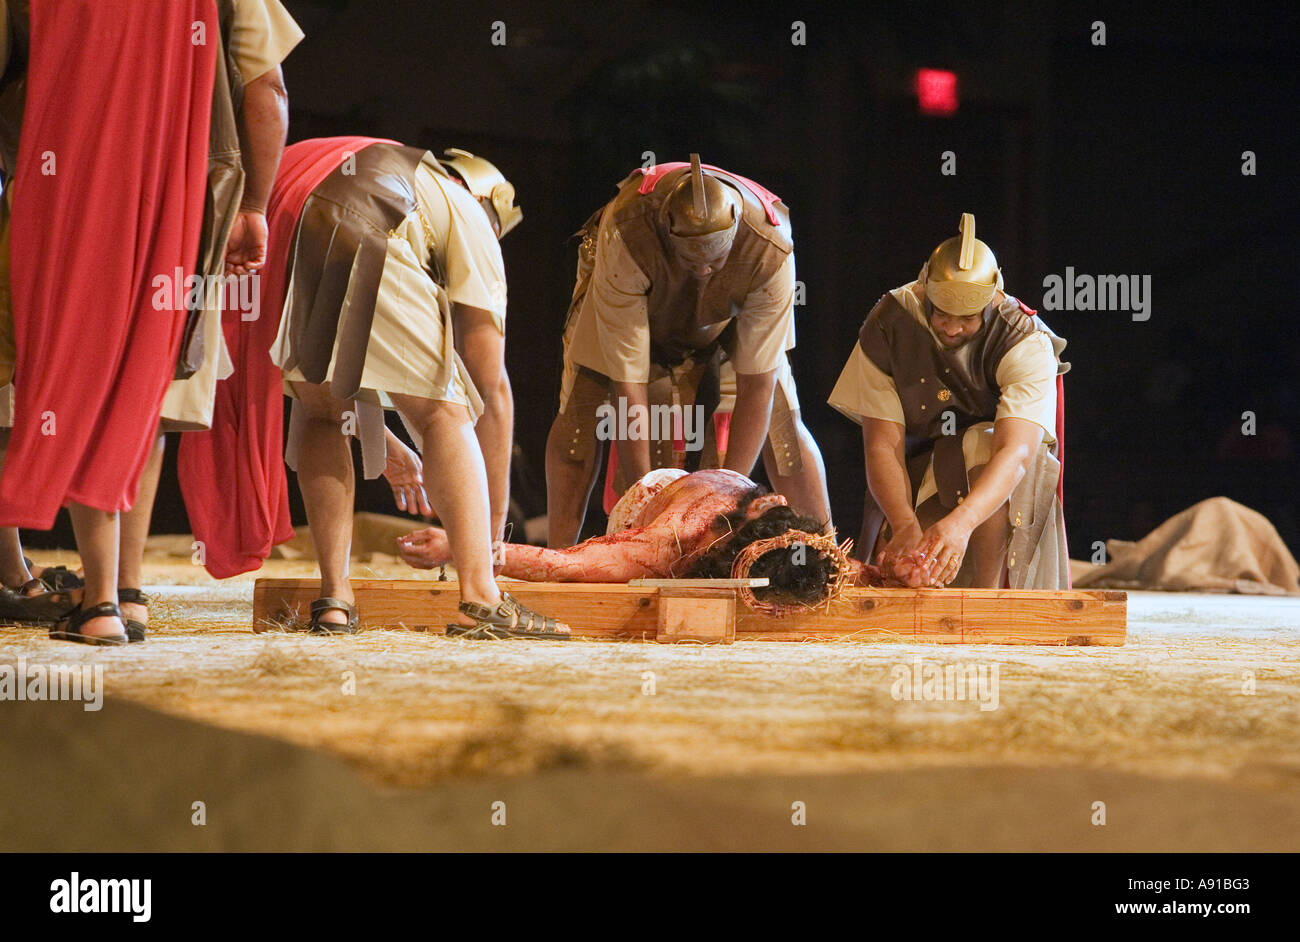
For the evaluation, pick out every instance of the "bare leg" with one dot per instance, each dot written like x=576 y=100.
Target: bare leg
x=13 y=571
x=458 y=493
x=328 y=486
x=988 y=545
x=483 y=349
x=135 y=531
x=805 y=489
x=568 y=486
x=97 y=542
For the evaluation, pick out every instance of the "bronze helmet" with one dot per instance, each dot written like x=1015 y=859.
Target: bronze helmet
x=962 y=274
x=485 y=182
x=702 y=214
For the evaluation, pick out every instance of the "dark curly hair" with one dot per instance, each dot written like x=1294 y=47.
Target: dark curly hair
x=794 y=575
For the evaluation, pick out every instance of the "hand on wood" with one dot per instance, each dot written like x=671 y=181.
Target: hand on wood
x=900 y=561
x=942 y=550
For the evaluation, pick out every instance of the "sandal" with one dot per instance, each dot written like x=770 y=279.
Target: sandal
x=56 y=578
x=47 y=608
x=70 y=628
x=321 y=606
x=134 y=629
x=509 y=619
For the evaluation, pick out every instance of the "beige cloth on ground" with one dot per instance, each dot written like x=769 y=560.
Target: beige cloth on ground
x=1217 y=545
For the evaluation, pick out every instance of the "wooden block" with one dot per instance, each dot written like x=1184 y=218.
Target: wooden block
x=620 y=612
x=698 y=614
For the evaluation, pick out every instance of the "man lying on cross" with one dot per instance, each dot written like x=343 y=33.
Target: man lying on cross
x=674 y=524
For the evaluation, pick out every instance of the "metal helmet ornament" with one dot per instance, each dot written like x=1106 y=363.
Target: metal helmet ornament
x=486 y=182
x=962 y=274
x=702 y=215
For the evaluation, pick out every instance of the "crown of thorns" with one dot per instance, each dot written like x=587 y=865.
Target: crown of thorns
x=822 y=544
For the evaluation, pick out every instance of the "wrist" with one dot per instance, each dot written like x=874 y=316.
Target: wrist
x=904 y=524
x=962 y=516
x=247 y=207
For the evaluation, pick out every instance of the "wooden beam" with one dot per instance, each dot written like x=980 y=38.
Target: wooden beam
x=621 y=612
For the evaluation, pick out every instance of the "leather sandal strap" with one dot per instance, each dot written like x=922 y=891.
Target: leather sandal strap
x=528 y=620
x=132 y=597
x=83 y=615
x=320 y=606
x=478 y=612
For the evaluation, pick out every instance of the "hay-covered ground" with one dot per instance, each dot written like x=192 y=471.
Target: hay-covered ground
x=1207 y=687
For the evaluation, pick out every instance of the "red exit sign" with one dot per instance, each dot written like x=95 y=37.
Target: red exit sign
x=936 y=91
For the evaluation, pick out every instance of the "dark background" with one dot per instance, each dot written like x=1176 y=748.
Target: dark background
x=1116 y=159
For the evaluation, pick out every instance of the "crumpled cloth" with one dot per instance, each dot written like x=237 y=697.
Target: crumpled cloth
x=1217 y=545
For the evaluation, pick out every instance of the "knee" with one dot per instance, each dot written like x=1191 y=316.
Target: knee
x=497 y=396
x=318 y=403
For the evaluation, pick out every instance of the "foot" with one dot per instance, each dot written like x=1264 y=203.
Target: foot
x=32 y=588
x=336 y=616
x=103 y=627
x=20 y=579
x=519 y=614
x=425 y=549
x=135 y=612
x=100 y=626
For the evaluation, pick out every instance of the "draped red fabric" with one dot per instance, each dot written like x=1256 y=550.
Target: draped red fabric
x=108 y=199
x=232 y=476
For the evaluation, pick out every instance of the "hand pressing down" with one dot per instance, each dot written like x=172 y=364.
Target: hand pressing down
x=934 y=563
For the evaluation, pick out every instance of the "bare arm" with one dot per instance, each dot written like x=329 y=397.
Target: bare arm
x=628 y=555
x=944 y=545
x=632 y=554
x=263 y=124
x=750 y=420
x=1014 y=443
x=634 y=456
x=887 y=479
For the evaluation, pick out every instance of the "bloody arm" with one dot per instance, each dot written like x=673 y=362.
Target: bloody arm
x=632 y=554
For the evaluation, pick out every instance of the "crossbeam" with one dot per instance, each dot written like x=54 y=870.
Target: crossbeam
x=632 y=613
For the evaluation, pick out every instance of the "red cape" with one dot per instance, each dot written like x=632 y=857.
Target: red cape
x=108 y=197
x=232 y=477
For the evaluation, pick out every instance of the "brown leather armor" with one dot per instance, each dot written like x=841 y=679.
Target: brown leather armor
x=932 y=380
x=687 y=316
x=339 y=247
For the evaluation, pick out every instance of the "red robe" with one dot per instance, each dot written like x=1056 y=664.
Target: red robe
x=232 y=477
x=108 y=196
